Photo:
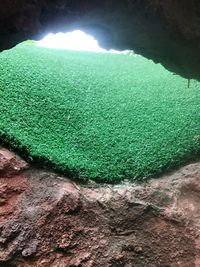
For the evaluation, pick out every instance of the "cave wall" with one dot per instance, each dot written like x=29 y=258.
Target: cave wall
x=167 y=31
x=47 y=220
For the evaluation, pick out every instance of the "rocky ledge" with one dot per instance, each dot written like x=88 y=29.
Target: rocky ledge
x=47 y=220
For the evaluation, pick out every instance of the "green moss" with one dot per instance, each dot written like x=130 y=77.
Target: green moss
x=99 y=116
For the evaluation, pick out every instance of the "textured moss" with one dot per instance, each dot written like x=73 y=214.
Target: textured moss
x=99 y=116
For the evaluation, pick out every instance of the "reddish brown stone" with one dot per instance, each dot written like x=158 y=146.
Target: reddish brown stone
x=49 y=221
x=10 y=163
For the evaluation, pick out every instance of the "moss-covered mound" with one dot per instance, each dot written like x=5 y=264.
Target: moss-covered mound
x=98 y=116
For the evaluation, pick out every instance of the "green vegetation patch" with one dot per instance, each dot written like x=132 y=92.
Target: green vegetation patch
x=99 y=116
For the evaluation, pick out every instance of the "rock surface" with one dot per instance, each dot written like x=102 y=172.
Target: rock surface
x=10 y=163
x=46 y=220
x=167 y=31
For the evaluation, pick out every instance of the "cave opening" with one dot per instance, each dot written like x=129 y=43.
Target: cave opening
x=97 y=127
x=76 y=40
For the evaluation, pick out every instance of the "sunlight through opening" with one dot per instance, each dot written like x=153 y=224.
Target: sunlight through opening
x=76 y=40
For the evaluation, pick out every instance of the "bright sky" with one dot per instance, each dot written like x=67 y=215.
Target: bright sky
x=76 y=40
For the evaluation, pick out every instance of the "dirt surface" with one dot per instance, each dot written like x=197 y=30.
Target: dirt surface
x=46 y=220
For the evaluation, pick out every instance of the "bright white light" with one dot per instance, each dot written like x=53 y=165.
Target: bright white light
x=76 y=40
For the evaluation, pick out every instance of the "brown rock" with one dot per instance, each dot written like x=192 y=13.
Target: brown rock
x=10 y=163
x=49 y=221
